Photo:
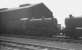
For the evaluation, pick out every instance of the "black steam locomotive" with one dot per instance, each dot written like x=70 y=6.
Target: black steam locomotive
x=73 y=27
x=34 y=20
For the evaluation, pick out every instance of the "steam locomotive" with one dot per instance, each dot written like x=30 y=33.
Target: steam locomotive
x=33 y=20
x=73 y=27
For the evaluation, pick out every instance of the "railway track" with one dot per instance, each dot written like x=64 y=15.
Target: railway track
x=61 y=39
x=8 y=45
x=36 y=44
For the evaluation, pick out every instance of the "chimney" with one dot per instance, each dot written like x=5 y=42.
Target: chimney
x=71 y=16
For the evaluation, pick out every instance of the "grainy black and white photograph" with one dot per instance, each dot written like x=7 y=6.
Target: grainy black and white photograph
x=40 y=24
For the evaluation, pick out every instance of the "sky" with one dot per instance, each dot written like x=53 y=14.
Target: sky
x=60 y=8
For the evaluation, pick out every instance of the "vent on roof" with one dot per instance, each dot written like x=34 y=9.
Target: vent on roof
x=23 y=5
